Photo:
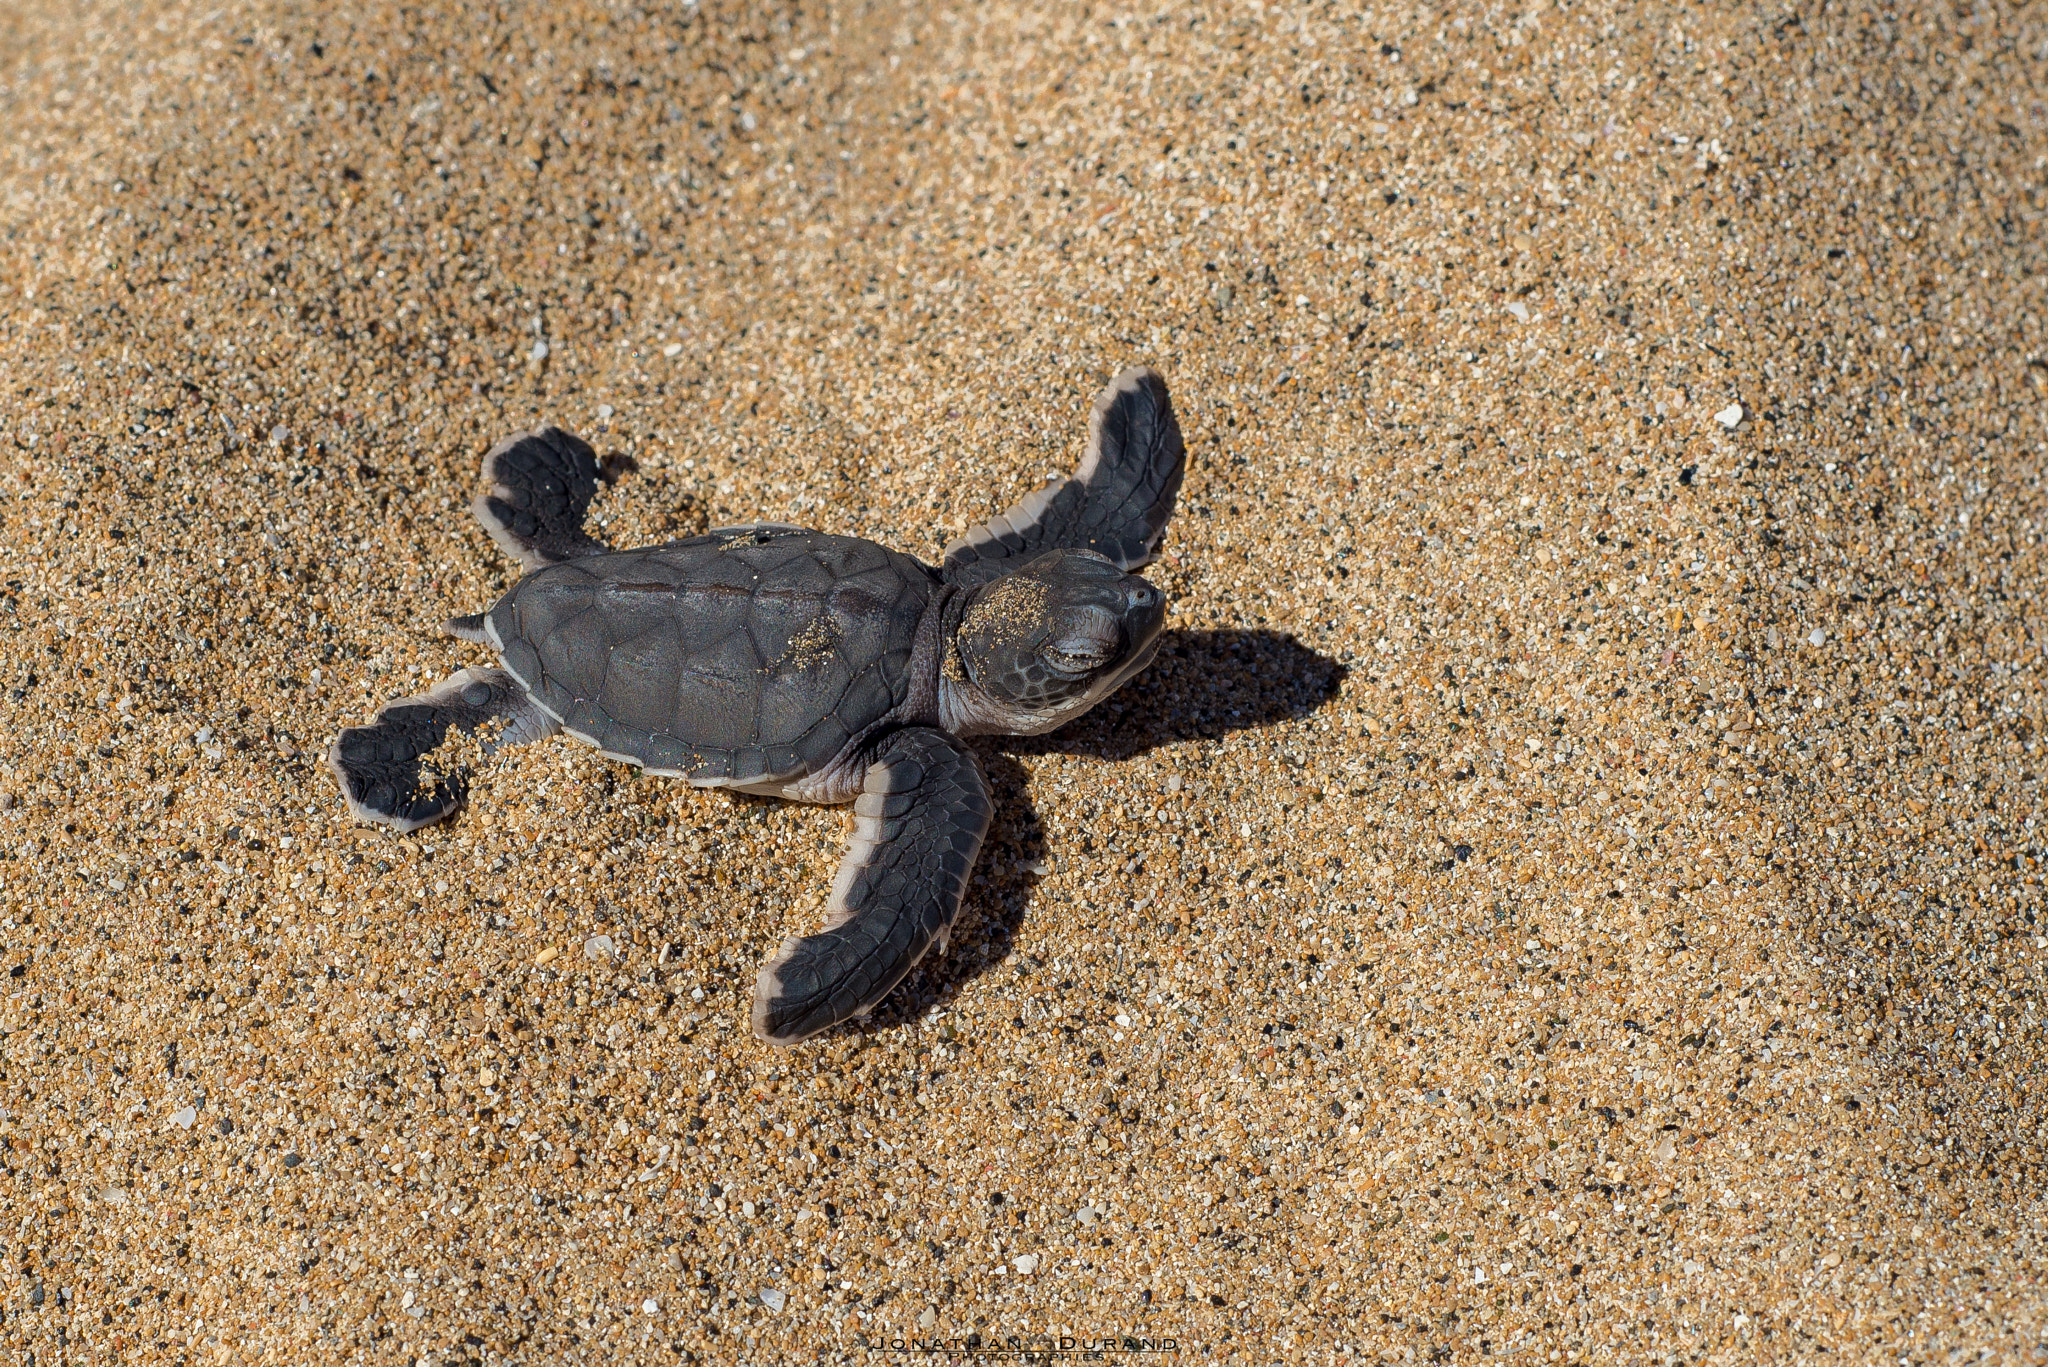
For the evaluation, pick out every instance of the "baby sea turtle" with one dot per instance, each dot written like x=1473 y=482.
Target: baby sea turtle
x=809 y=666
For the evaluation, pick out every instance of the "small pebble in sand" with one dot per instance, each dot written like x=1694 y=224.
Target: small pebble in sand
x=773 y=1299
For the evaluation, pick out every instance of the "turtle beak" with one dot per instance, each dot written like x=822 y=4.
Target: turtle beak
x=1144 y=609
x=1144 y=620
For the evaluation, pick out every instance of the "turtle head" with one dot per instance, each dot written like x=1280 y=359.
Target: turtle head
x=1040 y=646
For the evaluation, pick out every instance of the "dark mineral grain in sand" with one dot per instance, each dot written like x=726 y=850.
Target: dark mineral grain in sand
x=1567 y=890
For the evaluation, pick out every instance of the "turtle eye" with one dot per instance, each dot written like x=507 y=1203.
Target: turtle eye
x=1077 y=656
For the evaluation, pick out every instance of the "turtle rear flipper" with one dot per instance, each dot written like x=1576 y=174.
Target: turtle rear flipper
x=470 y=628
x=918 y=826
x=541 y=486
x=382 y=767
x=1116 y=502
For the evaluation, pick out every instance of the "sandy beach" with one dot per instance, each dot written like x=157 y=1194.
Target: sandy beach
x=1567 y=891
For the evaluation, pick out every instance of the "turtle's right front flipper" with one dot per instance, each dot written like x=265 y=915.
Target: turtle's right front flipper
x=541 y=486
x=919 y=824
x=382 y=767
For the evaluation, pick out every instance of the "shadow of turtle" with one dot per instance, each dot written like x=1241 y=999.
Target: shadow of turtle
x=1202 y=685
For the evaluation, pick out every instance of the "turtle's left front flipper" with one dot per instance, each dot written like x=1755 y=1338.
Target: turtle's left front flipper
x=1116 y=503
x=382 y=767
x=918 y=826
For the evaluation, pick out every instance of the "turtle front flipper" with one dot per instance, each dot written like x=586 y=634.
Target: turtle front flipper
x=1116 y=502
x=541 y=487
x=919 y=823
x=382 y=767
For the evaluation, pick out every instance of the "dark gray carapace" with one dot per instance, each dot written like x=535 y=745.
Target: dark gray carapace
x=747 y=658
x=809 y=666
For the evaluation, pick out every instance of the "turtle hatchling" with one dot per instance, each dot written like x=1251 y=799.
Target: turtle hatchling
x=804 y=665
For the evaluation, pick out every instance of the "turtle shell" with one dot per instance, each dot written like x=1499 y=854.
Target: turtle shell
x=734 y=658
